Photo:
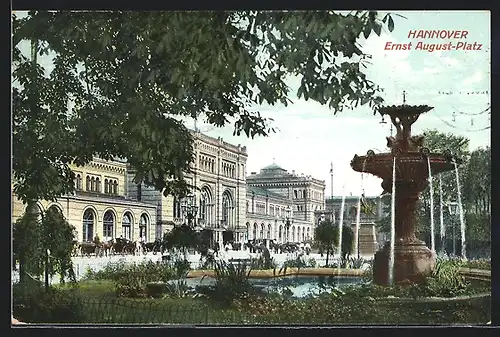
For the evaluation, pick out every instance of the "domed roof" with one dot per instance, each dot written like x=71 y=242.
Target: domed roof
x=273 y=167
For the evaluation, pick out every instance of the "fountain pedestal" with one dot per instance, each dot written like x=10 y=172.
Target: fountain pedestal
x=412 y=259
x=412 y=262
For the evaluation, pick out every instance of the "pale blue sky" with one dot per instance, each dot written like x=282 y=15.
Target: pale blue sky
x=310 y=136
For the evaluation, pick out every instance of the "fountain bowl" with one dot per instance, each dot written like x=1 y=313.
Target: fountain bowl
x=409 y=166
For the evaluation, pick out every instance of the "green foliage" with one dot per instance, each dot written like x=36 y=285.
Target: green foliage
x=478 y=264
x=25 y=237
x=182 y=267
x=33 y=239
x=52 y=305
x=181 y=237
x=264 y=263
x=134 y=73
x=231 y=282
x=130 y=278
x=446 y=280
x=324 y=234
x=299 y=262
x=155 y=289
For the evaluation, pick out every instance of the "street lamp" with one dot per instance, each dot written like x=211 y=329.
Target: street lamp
x=453 y=210
x=189 y=210
x=288 y=221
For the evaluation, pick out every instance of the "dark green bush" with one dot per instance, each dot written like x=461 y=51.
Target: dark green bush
x=130 y=279
x=52 y=305
x=182 y=267
x=155 y=289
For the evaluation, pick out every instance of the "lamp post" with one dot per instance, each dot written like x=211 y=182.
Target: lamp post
x=453 y=210
x=288 y=221
x=189 y=210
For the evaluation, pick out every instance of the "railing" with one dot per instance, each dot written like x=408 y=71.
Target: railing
x=128 y=311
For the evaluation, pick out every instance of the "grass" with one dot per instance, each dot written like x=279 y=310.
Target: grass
x=234 y=301
x=362 y=309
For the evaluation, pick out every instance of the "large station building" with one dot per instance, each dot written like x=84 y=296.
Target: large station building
x=272 y=204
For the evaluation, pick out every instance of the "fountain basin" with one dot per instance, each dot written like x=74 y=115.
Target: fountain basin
x=409 y=166
x=413 y=261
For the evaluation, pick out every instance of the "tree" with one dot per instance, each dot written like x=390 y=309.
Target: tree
x=347 y=241
x=326 y=237
x=130 y=76
x=181 y=237
x=44 y=246
x=477 y=194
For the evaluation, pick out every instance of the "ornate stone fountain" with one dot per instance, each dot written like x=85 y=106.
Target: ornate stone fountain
x=412 y=259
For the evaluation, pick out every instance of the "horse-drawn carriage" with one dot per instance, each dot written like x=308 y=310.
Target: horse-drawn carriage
x=118 y=246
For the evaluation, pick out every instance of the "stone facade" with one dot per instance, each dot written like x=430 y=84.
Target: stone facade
x=270 y=216
x=274 y=194
x=218 y=174
x=100 y=205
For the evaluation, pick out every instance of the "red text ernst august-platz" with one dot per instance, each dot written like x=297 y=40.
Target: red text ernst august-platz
x=450 y=40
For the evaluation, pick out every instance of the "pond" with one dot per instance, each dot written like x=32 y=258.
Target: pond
x=299 y=286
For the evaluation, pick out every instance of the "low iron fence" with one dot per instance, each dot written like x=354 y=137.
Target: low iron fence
x=126 y=311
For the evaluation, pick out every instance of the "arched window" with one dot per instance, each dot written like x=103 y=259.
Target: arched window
x=248 y=231
x=115 y=187
x=303 y=234
x=280 y=232
x=98 y=185
x=87 y=183
x=106 y=186
x=298 y=233
x=307 y=235
x=108 y=224
x=254 y=231
x=92 y=184
x=177 y=208
x=143 y=224
x=55 y=208
x=295 y=194
x=127 y=226
x=293 y=234
x=88 y=225
x=269 y=231
x=227 y=208
x=78 y=182
x=205 y=205
x=261 y=236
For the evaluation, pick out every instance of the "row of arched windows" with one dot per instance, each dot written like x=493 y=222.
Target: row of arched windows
x=206 y=210
x=207 y=163
x=293 y=234
x=110 y=186
x=93 y=184
x=109 y=223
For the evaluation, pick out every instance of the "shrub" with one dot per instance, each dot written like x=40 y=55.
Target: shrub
x=445 y=281
x=264 y=263
x=51 y=305
x=155 y=289
x=182 y=267
x=131 y=279
x=299 y=262
x=478 y=264
x=231 y=282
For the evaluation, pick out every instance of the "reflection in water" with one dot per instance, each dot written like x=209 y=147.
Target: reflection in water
x=299 y=286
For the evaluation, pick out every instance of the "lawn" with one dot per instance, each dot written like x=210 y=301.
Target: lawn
x=102 y=306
